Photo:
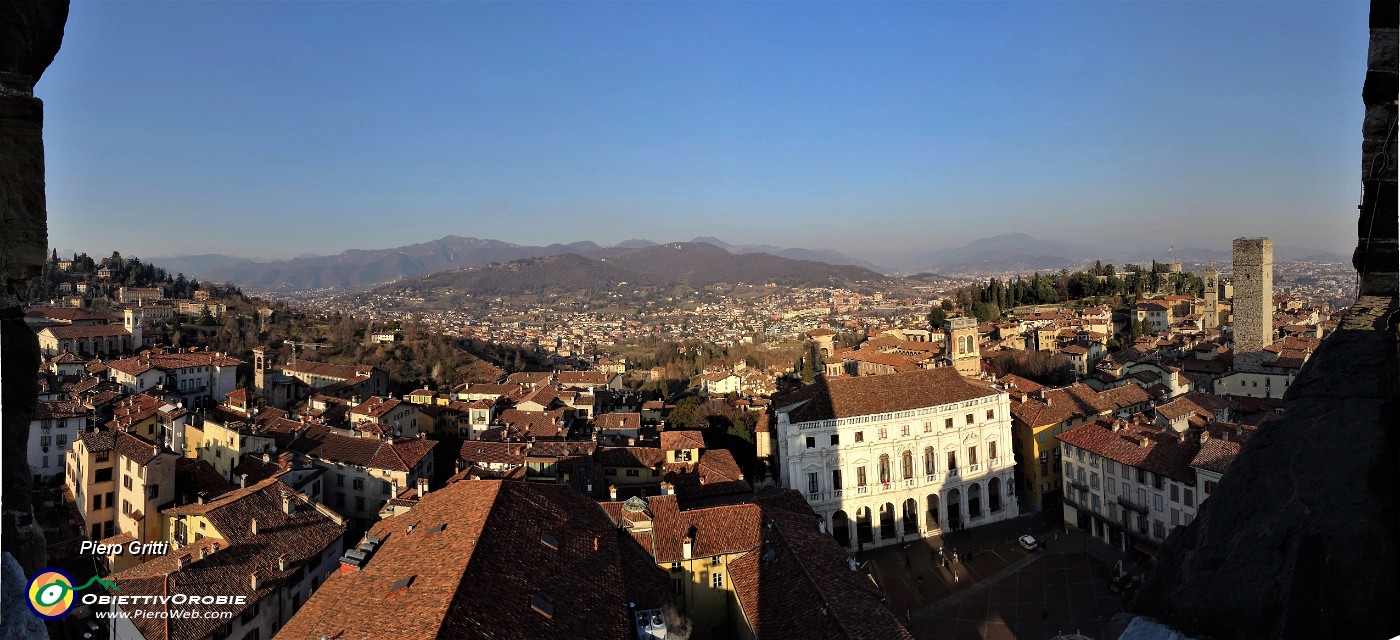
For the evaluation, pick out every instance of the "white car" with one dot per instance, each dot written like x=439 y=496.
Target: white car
x=1028 y=542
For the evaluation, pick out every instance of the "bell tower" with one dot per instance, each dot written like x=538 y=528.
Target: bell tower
x=261 y=366
x=961 y=343
x=1211 y=319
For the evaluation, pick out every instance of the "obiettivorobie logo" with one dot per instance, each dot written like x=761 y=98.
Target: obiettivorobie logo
x=51 y=593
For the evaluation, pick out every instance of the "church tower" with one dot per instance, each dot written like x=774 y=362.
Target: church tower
x=961 y=344
x=1211 y=281
x=261 y=367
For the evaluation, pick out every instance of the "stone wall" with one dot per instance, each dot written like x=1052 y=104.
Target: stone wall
x=1376 y=258
x=30 y=34
x=1254 y=301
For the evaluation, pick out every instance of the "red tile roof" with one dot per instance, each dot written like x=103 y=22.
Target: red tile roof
x=845 y=397
x=1143 y=447
x=67 y=332
x=678 y=439
x=394 y=454
x=481 y=575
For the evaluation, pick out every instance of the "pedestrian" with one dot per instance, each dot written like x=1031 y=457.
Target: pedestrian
x=955 y=576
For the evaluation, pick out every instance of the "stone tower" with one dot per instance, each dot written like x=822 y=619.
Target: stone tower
x=1254 y=301
x=961 y=343
x=1211 y=319
x=261 y=367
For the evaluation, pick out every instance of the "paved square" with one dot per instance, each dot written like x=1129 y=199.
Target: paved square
x=998 y=590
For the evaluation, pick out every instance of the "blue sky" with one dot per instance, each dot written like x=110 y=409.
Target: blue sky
x=277 y=129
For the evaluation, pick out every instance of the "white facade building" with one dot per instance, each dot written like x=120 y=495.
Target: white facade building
x=55 y=425
x=893 y=457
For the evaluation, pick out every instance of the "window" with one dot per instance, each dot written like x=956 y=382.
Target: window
x=1142 y=497
x=1159 y=530
x=102 y=475
x=1111 y=467
x=884 y=468
x=248 y=615
x=152 y=491
x=359 y=503
x=632 y=473
x=1189 y=497
x=1097 y=506
x=952 y=461
x=835 y=439
x=1079 y=455
x=97 y=502
x=1141 y=476
x=717 y=580
x=906 y=430
x=972 y=455
x=992 y=450
x=1207 y=488
x=969 y=418
x=610 y=472
x=928 y=426
x=991 y=414
x=860 y=436
x=1176 y=516
x=45 y=462
x=812 y=482
x=1157 y=501
x=1093 y=480
x=884 y=433
x=908 y=461
x=860 y=476
x=1175 y=496
x=339 y=479
x=44 y=441
x=811 y=442
x=1158 y=482
x=359 y=484
x=948 y=424
x=126 y=507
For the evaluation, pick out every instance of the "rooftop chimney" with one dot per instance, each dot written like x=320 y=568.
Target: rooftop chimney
x=286 y=504
x=422 y=487
x=394 y=490
x=185 y=561
x=612 y=491
x=282 y=563
x=253 y=528
x=667 y=489
x=687 y=545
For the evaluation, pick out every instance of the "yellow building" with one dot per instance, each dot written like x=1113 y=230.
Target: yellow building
x=119 y=483
x=1038 y=414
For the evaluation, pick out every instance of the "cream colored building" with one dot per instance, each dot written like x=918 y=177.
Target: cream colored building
x=119 y=483
x=888 y=458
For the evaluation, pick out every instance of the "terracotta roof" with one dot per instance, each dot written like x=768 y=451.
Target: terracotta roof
x=394 y=454
x=56 y=409
x=591 y=378
x=618 y=422
x=797 y=584
x=1075 y=401
x=1135 y=445
x=1194 y=402
x=716 y=473
x=328 y=370
x=479 y=452
x=76 y=331
x=376 y=407
x=299 y=537
x=650 y=457
x=1216 y=455
x=677 y=439
x=169 y=361
x=488 y=573
x=845 y=396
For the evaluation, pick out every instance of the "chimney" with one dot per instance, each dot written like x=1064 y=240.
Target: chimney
x=422 y=487
x=256 y=581
x=243 y=480
x=687 y=546
x=185 y=561
x=287 y=504
x=282 y=563
x=667 y=489
x=612 y=491
x=1205 y=435
x=266 y=458
x=394 y=490
x=1117 y=426
x=253 y=528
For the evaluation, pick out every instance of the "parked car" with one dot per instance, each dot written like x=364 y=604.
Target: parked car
x=1028 y=542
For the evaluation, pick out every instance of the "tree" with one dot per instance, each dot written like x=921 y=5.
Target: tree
x=947 y=304
x=937 y=316
x=686 y=414
x=206 y=319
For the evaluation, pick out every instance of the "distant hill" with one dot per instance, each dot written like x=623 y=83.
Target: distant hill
x=693 y=264
x=997 y=254
x=362 y=268
x=828 y=256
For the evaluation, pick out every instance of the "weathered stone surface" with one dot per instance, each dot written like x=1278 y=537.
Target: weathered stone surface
x=1299 y=538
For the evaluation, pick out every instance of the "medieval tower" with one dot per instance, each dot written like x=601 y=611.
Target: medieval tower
x=1211 y=319
x=1254 y=301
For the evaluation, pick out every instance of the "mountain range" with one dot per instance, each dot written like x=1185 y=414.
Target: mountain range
x=360 y=269
x=695 y=264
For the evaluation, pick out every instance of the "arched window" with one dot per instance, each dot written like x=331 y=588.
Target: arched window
x=908 y=464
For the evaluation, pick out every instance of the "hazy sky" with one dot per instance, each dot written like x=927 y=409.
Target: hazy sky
x=270 y=130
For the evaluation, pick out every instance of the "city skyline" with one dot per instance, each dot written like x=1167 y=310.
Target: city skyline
x=312 y=129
